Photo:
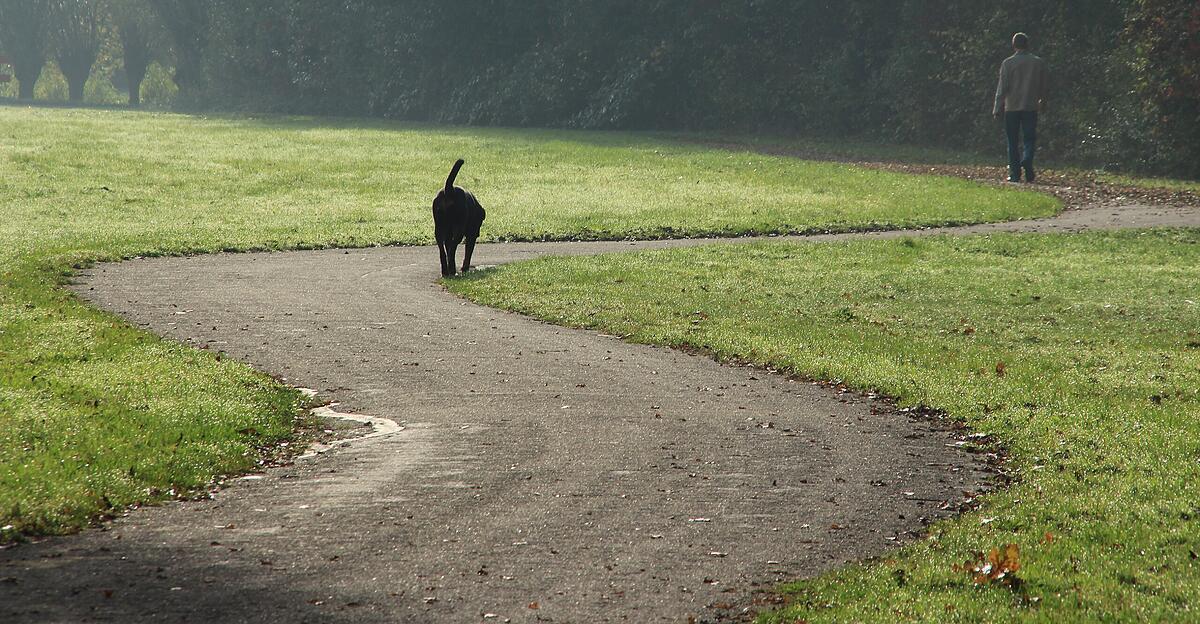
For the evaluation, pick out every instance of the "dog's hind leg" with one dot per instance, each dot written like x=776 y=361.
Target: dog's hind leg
x=469 y=248
x=451 y=249
x=441 y=243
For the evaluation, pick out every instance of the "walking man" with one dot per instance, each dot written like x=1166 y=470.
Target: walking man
x=1019 y=96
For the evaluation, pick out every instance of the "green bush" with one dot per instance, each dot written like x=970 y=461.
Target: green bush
x=158 y=90
x=51 y=85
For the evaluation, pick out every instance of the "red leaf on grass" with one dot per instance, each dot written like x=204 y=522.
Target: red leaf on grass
x=999 y=566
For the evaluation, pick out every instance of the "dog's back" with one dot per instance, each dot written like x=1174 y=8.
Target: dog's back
x=462 y=214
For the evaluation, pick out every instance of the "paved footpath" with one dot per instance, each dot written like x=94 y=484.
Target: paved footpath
x=542 y=474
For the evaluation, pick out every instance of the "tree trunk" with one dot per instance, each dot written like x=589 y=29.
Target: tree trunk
x=76 y=68
x=75 y=88
x=137 y=58
x=27 y=77
x=25 y=90
x=135 y=91
x=187 y=71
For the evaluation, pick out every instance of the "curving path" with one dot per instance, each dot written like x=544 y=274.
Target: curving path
x=542 y=474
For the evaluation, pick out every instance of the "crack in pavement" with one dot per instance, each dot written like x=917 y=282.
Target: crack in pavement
x=537 y=466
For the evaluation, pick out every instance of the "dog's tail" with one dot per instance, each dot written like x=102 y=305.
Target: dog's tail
x=453 y=174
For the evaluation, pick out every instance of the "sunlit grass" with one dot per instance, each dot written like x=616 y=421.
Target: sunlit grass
x=95 y=414
x=1079 y=353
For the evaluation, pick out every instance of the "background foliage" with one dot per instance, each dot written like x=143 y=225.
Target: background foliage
x=1126 y=73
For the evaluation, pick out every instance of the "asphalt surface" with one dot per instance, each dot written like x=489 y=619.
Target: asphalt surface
x=540 y=474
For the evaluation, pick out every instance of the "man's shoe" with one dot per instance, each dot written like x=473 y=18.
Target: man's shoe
x=1029 y=176
x=1013 y=179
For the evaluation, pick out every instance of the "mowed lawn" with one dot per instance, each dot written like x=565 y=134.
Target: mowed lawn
x=96 y=415
x=1079 y=354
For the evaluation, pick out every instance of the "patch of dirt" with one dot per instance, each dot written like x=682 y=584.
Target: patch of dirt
x=1075 y=188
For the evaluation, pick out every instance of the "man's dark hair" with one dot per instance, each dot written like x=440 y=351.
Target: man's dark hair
x=1021 y=41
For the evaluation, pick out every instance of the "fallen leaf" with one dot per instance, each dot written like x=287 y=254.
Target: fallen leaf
x=999 y=566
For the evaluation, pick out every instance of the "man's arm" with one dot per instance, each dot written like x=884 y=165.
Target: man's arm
x=1001 y=91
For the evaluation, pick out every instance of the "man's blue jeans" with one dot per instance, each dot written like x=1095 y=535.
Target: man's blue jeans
x=1018 y=123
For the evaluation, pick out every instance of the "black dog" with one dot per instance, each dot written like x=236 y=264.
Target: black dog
x=456 y=215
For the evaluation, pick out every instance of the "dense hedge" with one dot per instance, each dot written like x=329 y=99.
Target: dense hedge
x=1126 y=73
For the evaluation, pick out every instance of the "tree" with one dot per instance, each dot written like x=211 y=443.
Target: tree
x=78 y=27
x=1125 y=87
x=1166 y=35
x=23 y=28
x=187 y=21
x=137 y=30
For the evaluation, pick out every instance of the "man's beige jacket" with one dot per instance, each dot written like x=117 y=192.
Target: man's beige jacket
x=1022 y=83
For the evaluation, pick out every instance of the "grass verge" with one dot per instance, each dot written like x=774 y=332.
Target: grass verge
x=95 y=415
x=1079 y=353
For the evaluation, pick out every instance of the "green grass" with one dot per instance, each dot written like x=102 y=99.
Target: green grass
x=1098 y=403
x=95 y=415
